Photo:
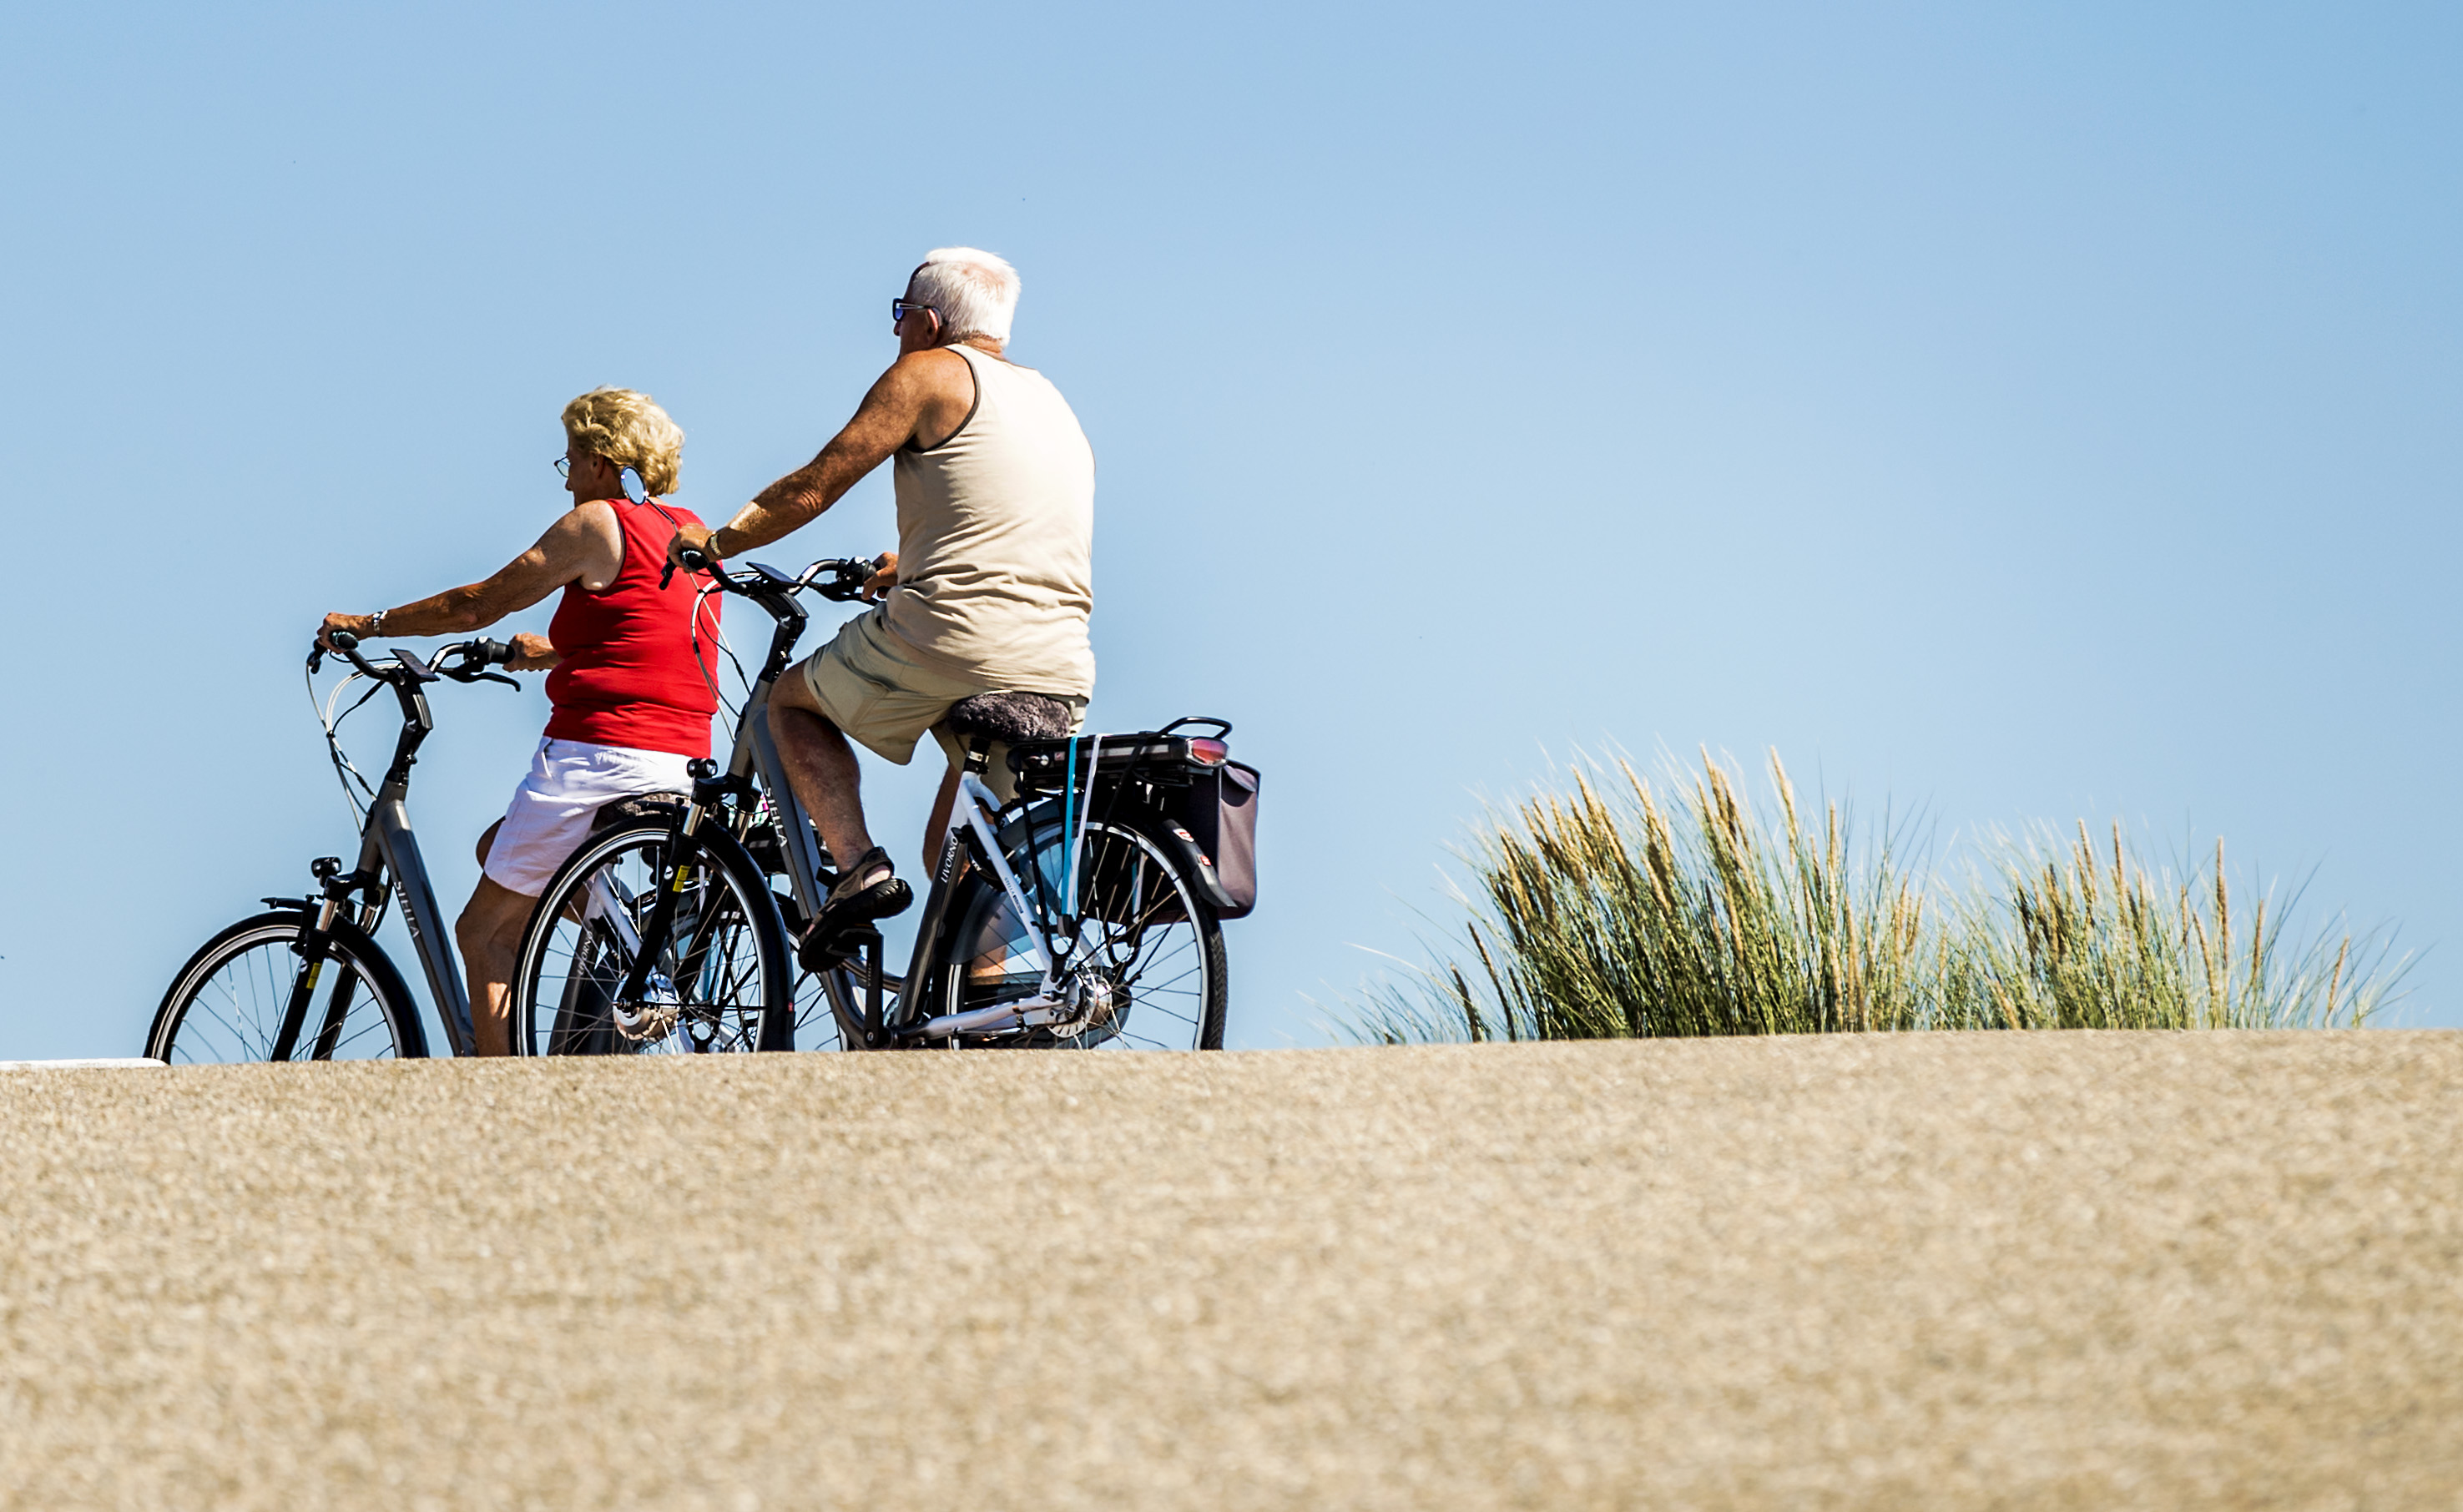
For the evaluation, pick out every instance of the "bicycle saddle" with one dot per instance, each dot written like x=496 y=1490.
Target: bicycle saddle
x=1009 y=717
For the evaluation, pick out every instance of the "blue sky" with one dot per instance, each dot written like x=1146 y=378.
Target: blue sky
x=2012 y=411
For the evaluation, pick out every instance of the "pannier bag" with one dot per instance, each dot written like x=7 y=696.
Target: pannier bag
x=1218 y=811
x=1182 y=789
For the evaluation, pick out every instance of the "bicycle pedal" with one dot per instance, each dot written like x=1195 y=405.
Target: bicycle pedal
x=825 y=953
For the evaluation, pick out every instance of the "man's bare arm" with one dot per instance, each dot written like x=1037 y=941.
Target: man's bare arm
x=912 y=394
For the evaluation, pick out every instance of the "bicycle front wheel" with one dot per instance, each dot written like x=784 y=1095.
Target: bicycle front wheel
x=229 y=1002
x=720 y=983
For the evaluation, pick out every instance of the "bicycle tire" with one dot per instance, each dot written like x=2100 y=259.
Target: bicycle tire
x=243 y=1027
x=733 y=981
x=829 y=1010
x=1196 y=1014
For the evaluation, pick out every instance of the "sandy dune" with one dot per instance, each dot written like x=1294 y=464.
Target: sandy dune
x=1958 y=1271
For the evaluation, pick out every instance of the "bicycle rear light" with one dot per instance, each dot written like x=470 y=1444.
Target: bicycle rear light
x=1209 y=752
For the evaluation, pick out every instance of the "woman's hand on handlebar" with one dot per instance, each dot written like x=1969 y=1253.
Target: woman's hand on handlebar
x=352 y=624
x=884 y=578
x=533 y=654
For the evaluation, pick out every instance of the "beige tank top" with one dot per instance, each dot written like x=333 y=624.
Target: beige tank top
x=996 y=539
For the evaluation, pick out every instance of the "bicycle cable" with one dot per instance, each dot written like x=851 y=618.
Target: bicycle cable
x=718 y=630
x=345 y=771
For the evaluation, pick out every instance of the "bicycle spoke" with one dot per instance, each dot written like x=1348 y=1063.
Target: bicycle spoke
x=1143 y=947
x=238 y=989
x=710 y=959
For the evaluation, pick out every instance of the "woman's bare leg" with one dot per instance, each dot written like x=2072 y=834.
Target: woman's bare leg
x=490 y=933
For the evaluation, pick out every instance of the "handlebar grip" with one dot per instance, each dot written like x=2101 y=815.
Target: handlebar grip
x=695 y=562
x=494 y=653
x=346 y=645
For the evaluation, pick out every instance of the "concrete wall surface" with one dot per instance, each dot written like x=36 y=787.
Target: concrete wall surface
x=2022 y=1271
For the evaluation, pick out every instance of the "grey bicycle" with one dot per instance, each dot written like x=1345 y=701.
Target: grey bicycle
x=1085 y=912
x=306 y=980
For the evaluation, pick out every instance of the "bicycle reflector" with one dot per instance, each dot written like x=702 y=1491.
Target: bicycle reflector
x=1209 y=752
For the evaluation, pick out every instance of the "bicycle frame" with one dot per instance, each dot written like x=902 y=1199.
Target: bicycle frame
x=389 y=844
x=976 y=806
x=389 y=863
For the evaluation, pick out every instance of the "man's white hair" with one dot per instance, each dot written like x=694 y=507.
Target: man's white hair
x=976 y=292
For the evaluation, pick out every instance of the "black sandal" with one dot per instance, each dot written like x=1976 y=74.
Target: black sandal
x=851 y=908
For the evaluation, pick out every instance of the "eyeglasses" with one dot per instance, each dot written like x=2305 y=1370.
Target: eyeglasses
x=564 y=465
x=901 y=308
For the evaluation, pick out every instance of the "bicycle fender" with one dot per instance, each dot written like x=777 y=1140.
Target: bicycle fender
x=1177 y=843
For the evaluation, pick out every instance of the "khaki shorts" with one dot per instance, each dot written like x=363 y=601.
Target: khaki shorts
x=873 y=686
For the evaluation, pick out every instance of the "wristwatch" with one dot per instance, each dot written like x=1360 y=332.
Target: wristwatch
x=376 y=621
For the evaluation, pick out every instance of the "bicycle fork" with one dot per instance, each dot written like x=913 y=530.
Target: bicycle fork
x=662 y=922
x=312 y=950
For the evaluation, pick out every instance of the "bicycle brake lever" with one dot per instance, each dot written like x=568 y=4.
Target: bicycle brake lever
x=495 y=677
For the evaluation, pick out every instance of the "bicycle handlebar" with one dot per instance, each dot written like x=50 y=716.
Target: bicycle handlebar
x=839 y=580
x=463 y=662
x=471 y=659
x=345 y=646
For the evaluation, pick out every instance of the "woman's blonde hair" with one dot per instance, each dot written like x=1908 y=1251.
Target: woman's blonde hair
x=630 y=430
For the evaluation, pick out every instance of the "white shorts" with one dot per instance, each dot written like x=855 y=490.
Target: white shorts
x=551 y=813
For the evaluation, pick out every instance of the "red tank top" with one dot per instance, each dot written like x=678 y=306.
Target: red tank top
x=628 y=676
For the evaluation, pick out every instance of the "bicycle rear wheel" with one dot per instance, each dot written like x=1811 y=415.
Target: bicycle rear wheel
x=1151 y=956
x=228 y=1004
x=720 y=985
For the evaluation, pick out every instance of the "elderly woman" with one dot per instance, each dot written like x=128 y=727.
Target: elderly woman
x=631 y=700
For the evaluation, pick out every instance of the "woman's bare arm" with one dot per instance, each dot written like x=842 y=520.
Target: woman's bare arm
x=585 y=545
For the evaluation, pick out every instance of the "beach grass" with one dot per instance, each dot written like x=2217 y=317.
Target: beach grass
x=1609 y=906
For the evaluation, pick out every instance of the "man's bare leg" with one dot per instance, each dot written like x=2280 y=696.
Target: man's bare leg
x=821 y=768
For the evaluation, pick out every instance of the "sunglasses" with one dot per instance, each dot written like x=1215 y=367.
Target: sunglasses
x=901 y=308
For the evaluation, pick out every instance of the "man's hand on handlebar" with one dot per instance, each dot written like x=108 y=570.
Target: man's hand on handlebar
x=884 y=578
x=689 y=538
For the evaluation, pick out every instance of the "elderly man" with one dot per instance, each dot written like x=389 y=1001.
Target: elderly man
x=990 y=584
